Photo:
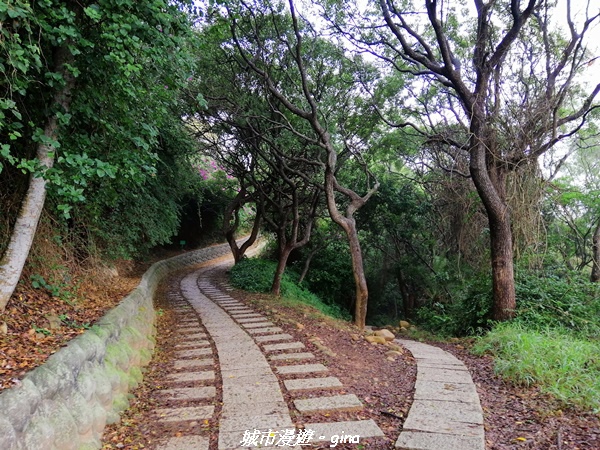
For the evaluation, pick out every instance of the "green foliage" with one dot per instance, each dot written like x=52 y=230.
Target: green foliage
x=256 y=275
x=467 y=313
x=557 y=363
x=122 y=148
x=62 y=289
x=564 y=300
x=330 y=274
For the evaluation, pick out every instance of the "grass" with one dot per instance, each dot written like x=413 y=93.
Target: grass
x=256 y=275
x=558 y=363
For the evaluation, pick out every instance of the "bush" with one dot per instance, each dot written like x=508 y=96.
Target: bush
x=468 y=313
x=256 y=275
x=559 y=364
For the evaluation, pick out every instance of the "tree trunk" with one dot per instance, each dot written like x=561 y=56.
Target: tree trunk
x=13 y=260
x=490 y=179
x=307 y=265
x=360 y=280
x=595 y=277
x=284 y=254
x=503 y=279
x=229 y=229
x=408 y=299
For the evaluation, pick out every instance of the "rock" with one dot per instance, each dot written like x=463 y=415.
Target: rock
x=3 y=328
x=375 y=339
x=299 y=326
x=54 y=322
x=386 y=334
x=395 y=347
x=355 y=337
x=393 y=353
x=404 y=324
x=368 y=329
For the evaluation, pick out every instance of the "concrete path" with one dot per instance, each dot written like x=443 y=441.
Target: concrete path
x=258 y=363
x=445 y=414
x=258 y=366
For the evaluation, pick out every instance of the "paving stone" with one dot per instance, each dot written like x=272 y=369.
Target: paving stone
x=193 y=344
x=436 y=390
x=443 y=375
x=237 y=316
x=273 y=337
x=312 y=383
x=191 y=376
x=284 y=346
x=415 y=440
x=264 y=330
x=361 y=428
x=439 y=416
x=195 y=393
x=250 y=319
x=190 y=330
x=262 y=324
x=185 y=413
x=258 y=422
x=290 y=356
x=301 y=368
x=184 y=443
x=193 y=363
x=198 y=336
x=193 y=352
x=346 y=402
x=252 y=395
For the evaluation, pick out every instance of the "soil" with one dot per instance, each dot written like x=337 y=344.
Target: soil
x=516 y=417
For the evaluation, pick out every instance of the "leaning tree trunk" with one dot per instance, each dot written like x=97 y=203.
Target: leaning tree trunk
x=595 y=277
x=360 y=280
x=284 y=255
x=13 y=260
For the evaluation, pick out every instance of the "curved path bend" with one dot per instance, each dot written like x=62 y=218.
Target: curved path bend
x=446 y=413
x=256 y=362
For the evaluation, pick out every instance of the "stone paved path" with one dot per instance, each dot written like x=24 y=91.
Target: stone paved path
x=445 y=414
x=257 y=363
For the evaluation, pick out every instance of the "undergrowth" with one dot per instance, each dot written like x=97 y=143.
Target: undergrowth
x=553 y=359
x=256 y=275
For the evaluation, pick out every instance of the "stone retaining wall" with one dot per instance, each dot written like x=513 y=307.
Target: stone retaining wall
x=65 y=403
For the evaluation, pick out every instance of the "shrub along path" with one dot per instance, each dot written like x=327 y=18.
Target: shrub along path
x=339 y=364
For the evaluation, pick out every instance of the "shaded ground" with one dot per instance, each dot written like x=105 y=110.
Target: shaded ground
x=515 y=417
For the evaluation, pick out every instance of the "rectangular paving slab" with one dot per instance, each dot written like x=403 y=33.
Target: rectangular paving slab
x=443 y=375
x=185 y=413
x=194 y=344
x=193 y=352
x=301 y=368
x=335 y=432
x=437 y=390
x=264 y=323
x=273 y=337
x=416 y=440
x=184 y=443
x=196 y=336
x=195 y=393
x=312 y=383
x=346 y=402
x=264 y=330
x=290 y=356
x=193 y=363
x=251 y=319
x=191 y=376
x=439 y=416
x=283 y=346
